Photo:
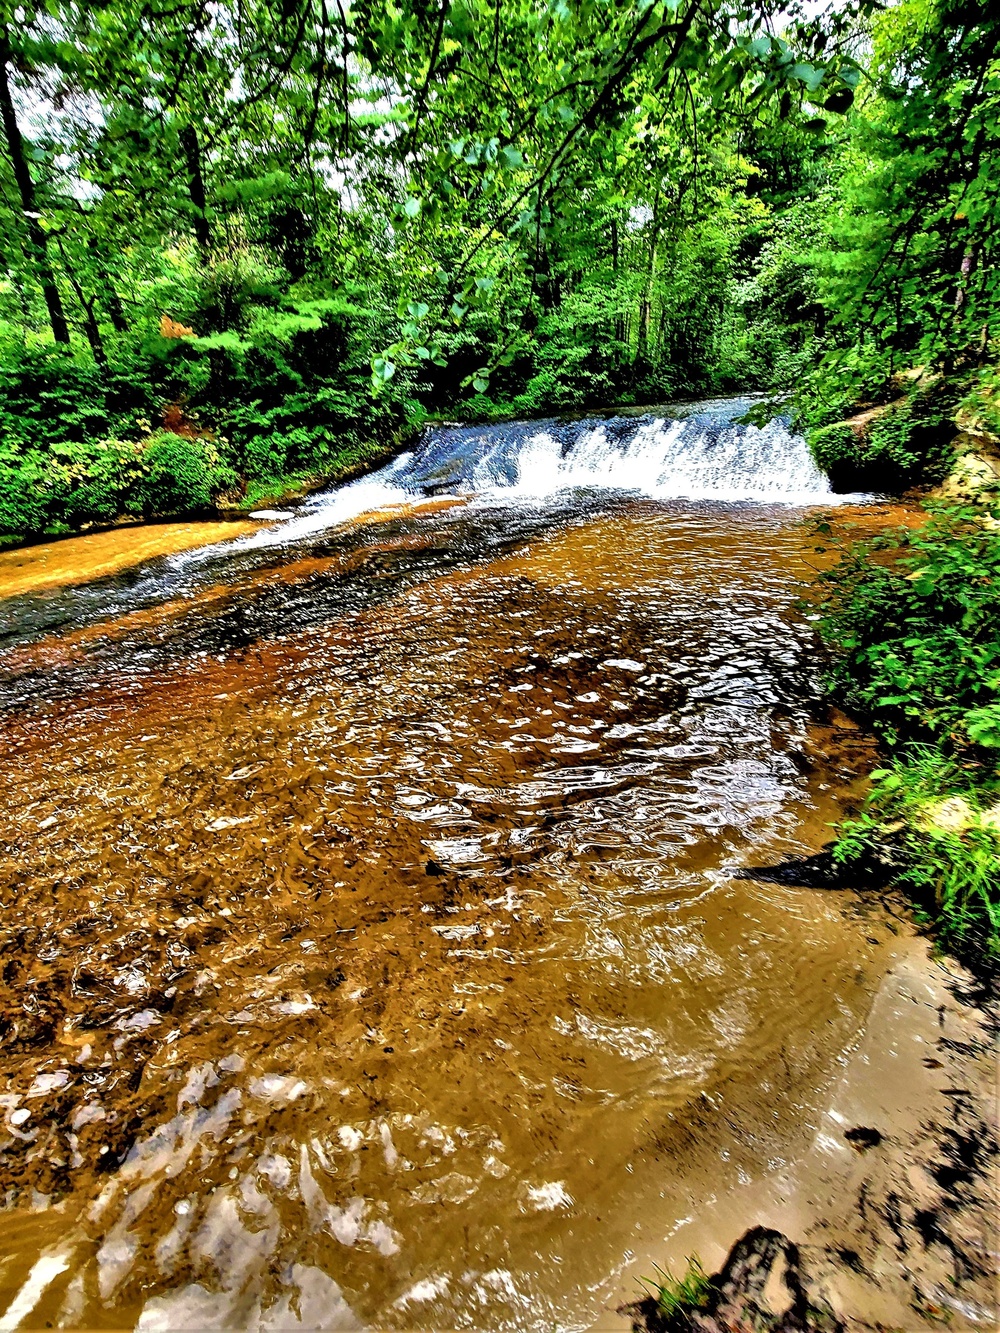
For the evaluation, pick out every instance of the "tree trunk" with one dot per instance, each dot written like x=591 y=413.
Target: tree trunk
x=90 y=325
x=93 y=331
x=36 y=247
x=196 y=188
x=113 y=303
x=619 y=318
x=646 y=305
x=546 y=283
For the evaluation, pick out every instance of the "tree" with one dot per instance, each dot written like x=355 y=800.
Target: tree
x=35 y=244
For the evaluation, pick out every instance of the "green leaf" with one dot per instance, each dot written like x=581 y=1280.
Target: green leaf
x=807 y=74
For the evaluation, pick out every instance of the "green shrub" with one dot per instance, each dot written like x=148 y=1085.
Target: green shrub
x=266 y=456
x=180 y=475
x=912 y=618
x=979 y=409
x=878 y=456
x=24 y=495
x=939 y=834
x=48 y=397
x=903 y=444
x=834 y=447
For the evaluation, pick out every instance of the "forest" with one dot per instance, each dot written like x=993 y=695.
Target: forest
x=247 y=246
x=245 y=242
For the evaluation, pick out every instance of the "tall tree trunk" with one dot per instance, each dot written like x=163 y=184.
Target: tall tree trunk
x=93 y=331
x=646 y=305
x=619 y=317
x=36 y=247
x=661 y=328
x=546 y=283
x=87 y=304
x=113 y=304
x=196 y=188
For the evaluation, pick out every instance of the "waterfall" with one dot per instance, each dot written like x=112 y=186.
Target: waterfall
x=704 y=451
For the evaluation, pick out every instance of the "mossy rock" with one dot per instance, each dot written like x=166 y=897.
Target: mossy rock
x=888 y=448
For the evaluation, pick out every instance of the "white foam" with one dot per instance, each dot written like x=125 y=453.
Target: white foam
x=709 y=455
x=668 y=460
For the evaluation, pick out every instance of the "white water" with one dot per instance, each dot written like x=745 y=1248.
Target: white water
x=707 y=453
x=666 y=460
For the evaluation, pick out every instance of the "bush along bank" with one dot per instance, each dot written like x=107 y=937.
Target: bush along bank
x=83 y=446
x=913 y=618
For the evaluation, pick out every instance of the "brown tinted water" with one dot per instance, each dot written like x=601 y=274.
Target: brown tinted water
x=373 y=947
x=63 y=563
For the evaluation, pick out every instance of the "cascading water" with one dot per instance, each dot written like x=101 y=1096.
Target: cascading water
x=705 y=451
x=509 y=479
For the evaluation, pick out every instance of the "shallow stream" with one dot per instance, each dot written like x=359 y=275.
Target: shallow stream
x=374 y=948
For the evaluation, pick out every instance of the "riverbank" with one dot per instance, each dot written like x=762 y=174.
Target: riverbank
x=42 y=561
x=889 y=1219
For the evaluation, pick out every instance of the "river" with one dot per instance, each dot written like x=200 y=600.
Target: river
x=376 y=947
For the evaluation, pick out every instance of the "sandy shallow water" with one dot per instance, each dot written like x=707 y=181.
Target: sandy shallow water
x=374 y=951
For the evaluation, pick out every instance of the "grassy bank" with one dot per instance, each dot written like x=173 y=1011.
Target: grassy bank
x=912 y=619
x=83 y=448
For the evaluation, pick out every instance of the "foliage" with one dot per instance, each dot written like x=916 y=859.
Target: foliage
x=926 y=819
x=908 y=269
x=249 y=215
x=299 y=227
x=979 y=410
x=912 y=616
x=179 y=474
x=76 y=484
x=890 y=448
x=688 y=1292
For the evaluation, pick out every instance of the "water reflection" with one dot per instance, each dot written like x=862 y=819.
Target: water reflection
x=383 y=966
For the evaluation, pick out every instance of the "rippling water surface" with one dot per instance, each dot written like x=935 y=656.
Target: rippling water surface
x=373 y=951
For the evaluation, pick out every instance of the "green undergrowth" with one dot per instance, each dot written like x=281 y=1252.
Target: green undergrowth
x=913 y=617
x=341 y=466
x=938 y=825
x=76 y=484
x=677 y=1295
x=890 y=446
x=82 y=446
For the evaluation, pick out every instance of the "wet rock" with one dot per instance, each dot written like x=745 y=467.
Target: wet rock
x=862 y=1137
x=763 y=1286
